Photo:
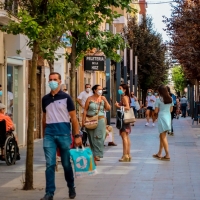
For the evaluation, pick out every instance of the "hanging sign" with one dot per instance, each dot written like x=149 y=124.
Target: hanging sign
x=94 y=63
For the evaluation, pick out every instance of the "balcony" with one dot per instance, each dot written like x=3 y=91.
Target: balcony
x=8 y=11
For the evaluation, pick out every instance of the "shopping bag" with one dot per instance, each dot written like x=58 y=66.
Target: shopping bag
x=84 y=136
x=109 y=137
x=83 y=162
x=137 y=105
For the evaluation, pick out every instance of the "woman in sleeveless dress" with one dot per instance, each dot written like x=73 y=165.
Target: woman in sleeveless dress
x=164 y=107
x=96 y=104
x=126 y=129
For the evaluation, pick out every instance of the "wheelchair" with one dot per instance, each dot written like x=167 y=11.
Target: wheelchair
x=8 y=144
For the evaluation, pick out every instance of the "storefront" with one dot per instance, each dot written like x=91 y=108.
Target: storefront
x=15 y=82
x=16 y=95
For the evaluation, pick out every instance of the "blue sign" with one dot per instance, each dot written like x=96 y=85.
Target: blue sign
x=66 y=40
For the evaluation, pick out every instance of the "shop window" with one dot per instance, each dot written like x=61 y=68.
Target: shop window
x=12 y=93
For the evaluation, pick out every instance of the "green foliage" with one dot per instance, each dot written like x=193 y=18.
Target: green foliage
x=43 y=22
x=91 y=16
x=179 y=79
x=183 y=27
x=147 y=44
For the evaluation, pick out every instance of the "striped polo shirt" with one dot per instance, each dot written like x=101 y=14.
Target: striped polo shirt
x=57 y=110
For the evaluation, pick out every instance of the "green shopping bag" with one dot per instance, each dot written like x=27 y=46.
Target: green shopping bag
x=83 y=162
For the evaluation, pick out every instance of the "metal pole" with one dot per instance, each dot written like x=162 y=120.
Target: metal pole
x=118 y=77
x=125 y=65
x=136 y=75
x=131 y=70
x=108 y=72
x=108 y=75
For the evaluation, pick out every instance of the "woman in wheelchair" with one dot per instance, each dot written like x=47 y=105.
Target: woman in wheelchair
x=9 y=128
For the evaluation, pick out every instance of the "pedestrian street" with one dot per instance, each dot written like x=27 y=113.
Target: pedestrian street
x=144 y=178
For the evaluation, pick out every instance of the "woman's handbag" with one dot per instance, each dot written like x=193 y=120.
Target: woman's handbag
x=129 y=116
x=92 y=122
x=119 y=119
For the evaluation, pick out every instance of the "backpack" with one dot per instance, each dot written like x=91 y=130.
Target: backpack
x=119 y=119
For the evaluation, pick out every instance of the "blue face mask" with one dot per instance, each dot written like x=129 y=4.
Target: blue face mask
x=1 y=93
x=155 y=94
x=53 y=85
x=120 y=92
x=149 y=93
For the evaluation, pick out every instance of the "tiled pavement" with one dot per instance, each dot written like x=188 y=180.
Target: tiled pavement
x=145 y=178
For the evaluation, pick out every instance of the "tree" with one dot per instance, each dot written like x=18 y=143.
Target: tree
x=184 y=29
x=179 y=79
x=147 y=44
x=43 y=22
x=86 y=34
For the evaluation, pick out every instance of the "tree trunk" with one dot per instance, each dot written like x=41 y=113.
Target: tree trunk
x=73 y=71
x=51 y=65
x=31 y=117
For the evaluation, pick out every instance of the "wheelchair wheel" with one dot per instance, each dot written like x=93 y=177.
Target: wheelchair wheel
x=10 y=150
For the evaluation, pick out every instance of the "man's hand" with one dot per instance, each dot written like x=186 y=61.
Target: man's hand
x=78 y=141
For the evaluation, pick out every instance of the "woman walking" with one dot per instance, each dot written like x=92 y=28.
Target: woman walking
x=150 y=104
x=164 y=107
x=126 y=128
x=96 y=104
x=133 y=100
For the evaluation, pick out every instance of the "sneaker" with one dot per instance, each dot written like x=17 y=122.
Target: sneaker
x=72 y=193
x=147 y=124
x=47 y=197
x=153 y=124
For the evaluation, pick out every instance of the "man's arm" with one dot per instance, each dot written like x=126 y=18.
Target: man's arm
x=75 y=127
x=79 y=102
x=43 y=123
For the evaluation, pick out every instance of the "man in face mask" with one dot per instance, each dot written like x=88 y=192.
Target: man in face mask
x=58 y=109
x=81 y=99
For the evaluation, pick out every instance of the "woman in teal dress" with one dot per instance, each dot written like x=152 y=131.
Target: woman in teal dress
x=164 y=107
x=96 y=104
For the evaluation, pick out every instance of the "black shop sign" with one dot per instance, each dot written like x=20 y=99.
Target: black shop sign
x=94 y=63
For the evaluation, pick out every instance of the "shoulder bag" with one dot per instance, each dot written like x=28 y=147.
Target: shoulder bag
x=129 y=116
x=91 y=122
x=119 y=119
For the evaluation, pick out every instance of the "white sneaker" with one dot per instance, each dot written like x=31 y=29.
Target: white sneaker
x=147 y=124
x=153 y=124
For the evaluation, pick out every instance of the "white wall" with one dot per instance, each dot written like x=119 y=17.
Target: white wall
x=59 y=66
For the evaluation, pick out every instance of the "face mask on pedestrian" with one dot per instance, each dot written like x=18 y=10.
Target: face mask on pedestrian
x=87 y=89
x=53 y=85
x=100 y=92
x=149 y=93
x=120 y=92
x=156 y=94
x=1 y=93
